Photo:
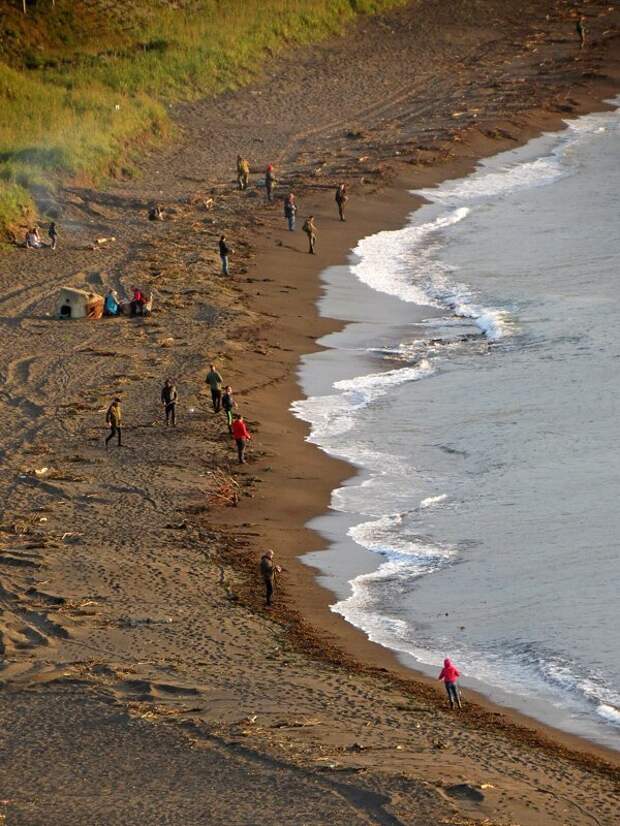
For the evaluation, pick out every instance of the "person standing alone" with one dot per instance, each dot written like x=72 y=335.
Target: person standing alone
x=341 y=199
x=169 y=398
x=290 y=211
x=243 y=172
x=241 y=435
x=581 y=30
x=449 y=674
x=114 y=418
x=215 y=382
x=225 y=251
x=269 y=571
x=270 y=182
x=309 y=228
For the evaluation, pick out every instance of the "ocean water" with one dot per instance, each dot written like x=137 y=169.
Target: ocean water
x=476 y=389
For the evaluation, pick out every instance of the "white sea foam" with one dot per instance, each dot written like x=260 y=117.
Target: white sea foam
x=432 y=500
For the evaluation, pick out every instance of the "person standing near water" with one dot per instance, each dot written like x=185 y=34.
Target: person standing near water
x=225 y=251
x=309 y=228
x=169 y=398
x=341 y=199
x=241 y=435
x=215 y=382
x=290 y=210
x=114 y=418
x=269 y=571
x=450 y=674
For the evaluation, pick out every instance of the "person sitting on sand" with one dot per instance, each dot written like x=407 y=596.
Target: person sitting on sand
x=449 y=674
x=138 y=302
x=270 y=182
x=52 y=232
x=241 y=435
x=341 y=199
x=111 y=306
x=290 y=210
x=269 y=571
x=228 y=405
x=309 y=228
x=113 y=418
x=243 y=172
x=33 y=239
x=156 y=213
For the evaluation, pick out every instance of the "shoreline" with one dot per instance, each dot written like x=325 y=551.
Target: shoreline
x=310 y=598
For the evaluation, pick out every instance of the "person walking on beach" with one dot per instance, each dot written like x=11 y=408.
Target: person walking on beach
x=228 y=406
x=581 y=30
x=53 y=234
x=243 y=172
x=215 y=382
x=341 y=199
x=114 y=418
x=241 y=435
x=270 y=182
x=269 y=571
x=449 y=674
x=225 y=251
x=309 y=228
x=290 y=210
x=169 y=398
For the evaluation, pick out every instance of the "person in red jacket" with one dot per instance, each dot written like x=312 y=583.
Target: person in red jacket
x=449 y=674
x=241 y=436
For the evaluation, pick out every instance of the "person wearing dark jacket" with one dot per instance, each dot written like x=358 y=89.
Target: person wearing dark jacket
x=215 y=382
x=225 y=251
x=53 y=234
x=449 y=674
x=581 y=30
x=290 y=210
x=241 y=435
x=169 y=398
x=269 y=571
x=341 y=199
x=228 y=406
x=113 y=418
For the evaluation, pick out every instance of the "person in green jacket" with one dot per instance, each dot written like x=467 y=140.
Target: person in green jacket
x=215 y=382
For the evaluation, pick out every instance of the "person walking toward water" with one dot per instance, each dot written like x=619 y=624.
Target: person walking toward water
x=169 y=398
x=228 y=405
x=290 y=210
x=243 y=172
x=581 y=30
x=241 y=435
x=53 y=234
x=269 y=572
x=270 y=182
x=341 y=199
x=225 y=251
x=309 y=228
x=215 y=382
x=113 y=418
x=449 y=674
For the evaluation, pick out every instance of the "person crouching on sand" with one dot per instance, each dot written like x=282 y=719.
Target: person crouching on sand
x=449 y=674
x=241 y=435
x=309 y=228
x=269 y=572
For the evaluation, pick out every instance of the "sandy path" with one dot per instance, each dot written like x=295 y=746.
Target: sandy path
x=124 y=590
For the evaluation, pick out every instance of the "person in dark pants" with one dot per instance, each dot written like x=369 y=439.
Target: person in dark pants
x=449 y=674
x=228 y=405
x=270 y=182
x=290 y=210
x=225 y=251
x=269 y=571
x=241 y=435
x=581 y=31
x=215 y=382
x=309 y=228
x=113 y=418
x=169 y=398
x=341 y=199
x=53 y=234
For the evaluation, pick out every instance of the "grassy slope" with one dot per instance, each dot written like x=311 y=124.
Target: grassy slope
x=81 y=80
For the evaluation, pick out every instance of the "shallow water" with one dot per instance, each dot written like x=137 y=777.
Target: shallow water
x=477 y=391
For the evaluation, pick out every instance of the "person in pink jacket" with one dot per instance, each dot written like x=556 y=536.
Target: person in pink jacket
x=449 y=674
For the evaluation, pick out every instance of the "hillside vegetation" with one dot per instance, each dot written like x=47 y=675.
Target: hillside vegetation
x=81 y=80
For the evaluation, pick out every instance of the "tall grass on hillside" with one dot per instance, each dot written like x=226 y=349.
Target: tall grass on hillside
x=74 y=107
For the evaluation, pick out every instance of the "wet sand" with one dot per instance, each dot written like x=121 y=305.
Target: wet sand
x=129 y=589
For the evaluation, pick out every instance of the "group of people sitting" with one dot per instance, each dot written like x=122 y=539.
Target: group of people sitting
x=139 y=305
x=33 y=240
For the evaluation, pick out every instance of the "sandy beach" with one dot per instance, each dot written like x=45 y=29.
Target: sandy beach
x=142 y=680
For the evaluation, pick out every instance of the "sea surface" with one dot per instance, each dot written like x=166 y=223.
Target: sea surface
x=476 y=390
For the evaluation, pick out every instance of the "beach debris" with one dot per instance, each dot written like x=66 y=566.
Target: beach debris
x=167 y=342
x=71 y=536
x=101 y=241
x=41 y=471
x=222 y=489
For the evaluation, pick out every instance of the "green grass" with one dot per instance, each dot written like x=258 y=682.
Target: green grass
x=80 y=83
